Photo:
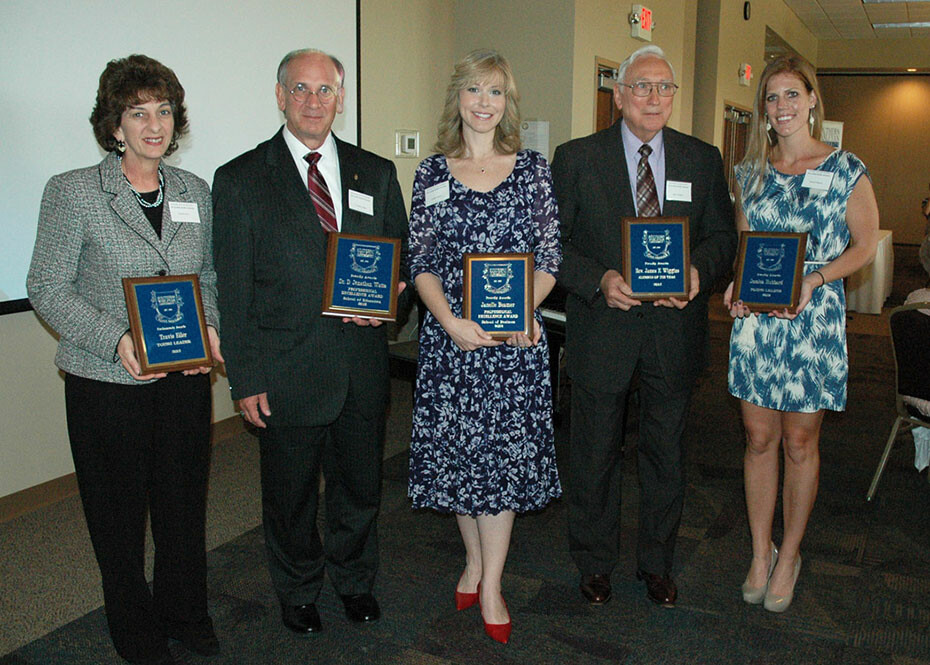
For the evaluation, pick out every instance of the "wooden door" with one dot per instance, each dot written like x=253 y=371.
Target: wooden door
x=735 y=132
x=606 y=112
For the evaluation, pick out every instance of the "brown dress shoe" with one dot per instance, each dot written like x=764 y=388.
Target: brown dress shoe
x=595 y=588
x=660 y=589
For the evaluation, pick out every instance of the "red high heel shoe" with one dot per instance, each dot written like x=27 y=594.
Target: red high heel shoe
x=465 y=600
x=499 y=632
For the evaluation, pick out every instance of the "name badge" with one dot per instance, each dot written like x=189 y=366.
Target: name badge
x=361 y=202
x=814 y=179
x=437 y=193
x=182 y=212
x=677 y=191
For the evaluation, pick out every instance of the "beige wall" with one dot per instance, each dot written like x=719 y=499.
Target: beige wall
x=33 y=436
x=895 y=152
x=866 y=54
x=740 y=41
x=406 y=56
x=602 y=29
x=536 y=38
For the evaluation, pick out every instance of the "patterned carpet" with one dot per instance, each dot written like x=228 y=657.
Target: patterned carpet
x=863 y=595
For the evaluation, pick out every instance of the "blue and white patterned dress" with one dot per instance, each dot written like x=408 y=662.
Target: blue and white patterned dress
x=800 y=364
x=482 y=438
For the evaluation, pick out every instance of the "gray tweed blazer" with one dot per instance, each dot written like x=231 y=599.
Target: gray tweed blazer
x=92 y=233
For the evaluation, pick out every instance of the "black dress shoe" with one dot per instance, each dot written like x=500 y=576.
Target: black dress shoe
x=661 y=589
x=595 y=588
x=197 y=636
x=302 y=619
x=361 y=607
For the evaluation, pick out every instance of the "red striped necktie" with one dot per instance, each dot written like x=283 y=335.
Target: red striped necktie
x=647 y=199
x=319 y=192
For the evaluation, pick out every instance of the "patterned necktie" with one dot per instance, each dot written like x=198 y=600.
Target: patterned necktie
x=647 y=200
x=319 y=192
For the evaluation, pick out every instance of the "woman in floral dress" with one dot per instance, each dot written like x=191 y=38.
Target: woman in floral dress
x=482 y=444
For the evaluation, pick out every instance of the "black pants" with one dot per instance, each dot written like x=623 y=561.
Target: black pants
x=138 y=449
x=595 y=471
x=349 y=451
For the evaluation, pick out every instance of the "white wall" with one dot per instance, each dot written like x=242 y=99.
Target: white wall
x=225 y=55
x=52 y=53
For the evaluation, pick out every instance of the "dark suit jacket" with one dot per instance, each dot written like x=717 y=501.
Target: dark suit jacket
x=593 y=190
x=270 y=255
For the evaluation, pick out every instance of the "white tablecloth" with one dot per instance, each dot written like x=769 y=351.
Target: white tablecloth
x=868 y=287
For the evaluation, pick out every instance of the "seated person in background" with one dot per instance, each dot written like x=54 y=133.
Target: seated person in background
x=922 y=405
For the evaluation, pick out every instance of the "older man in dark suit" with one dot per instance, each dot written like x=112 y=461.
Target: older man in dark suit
x=315 y=386
x=637 y=167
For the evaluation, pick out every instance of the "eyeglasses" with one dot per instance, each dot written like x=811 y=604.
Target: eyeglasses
x=645 y=88
x=301 y=93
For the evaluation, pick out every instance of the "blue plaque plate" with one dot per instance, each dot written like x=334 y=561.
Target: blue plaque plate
x=656 y=257
x=769 y=269
x=361 y=276
x=166 y=322
x=497 y=293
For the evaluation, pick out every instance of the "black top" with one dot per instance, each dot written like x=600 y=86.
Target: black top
x=153 y=214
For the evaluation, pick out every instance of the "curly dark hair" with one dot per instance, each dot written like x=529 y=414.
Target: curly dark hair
x=133 y=80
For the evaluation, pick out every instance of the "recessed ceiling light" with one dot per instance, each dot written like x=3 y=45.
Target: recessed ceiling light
x=912 y=24
x=911 y=69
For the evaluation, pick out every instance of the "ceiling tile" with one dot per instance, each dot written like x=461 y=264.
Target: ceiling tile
x=892 y=33
x=887 y=12
x=918 y=11
x=855 y=32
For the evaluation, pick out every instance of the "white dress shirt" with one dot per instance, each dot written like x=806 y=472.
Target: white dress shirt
x=328 y=166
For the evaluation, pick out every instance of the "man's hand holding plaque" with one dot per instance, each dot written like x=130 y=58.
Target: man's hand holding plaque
x=657 y=260
x=361 y=279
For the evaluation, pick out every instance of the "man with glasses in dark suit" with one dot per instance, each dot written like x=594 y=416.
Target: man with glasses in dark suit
x=316 y=387
x=637 y=167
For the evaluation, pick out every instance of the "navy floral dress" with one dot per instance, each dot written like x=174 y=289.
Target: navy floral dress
x=482 y=437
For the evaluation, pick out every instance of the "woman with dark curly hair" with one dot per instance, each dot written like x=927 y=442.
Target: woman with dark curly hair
x=140 y=442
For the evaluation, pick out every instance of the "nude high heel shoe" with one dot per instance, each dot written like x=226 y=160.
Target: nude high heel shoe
x=775 y=603
x=754 y=595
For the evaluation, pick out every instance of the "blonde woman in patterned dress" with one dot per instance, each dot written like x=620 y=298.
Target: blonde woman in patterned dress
x=482 y=443
x=789 y=366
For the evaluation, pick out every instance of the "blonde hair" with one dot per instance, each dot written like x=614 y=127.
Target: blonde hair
x=761 y=139
x=479 y=66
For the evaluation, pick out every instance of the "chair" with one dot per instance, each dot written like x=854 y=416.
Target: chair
x=910 y=341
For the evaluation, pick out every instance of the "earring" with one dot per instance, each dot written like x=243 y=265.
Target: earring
x=121 y=146
x=810 y=119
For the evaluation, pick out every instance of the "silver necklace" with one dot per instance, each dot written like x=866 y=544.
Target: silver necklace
x=142 y=201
